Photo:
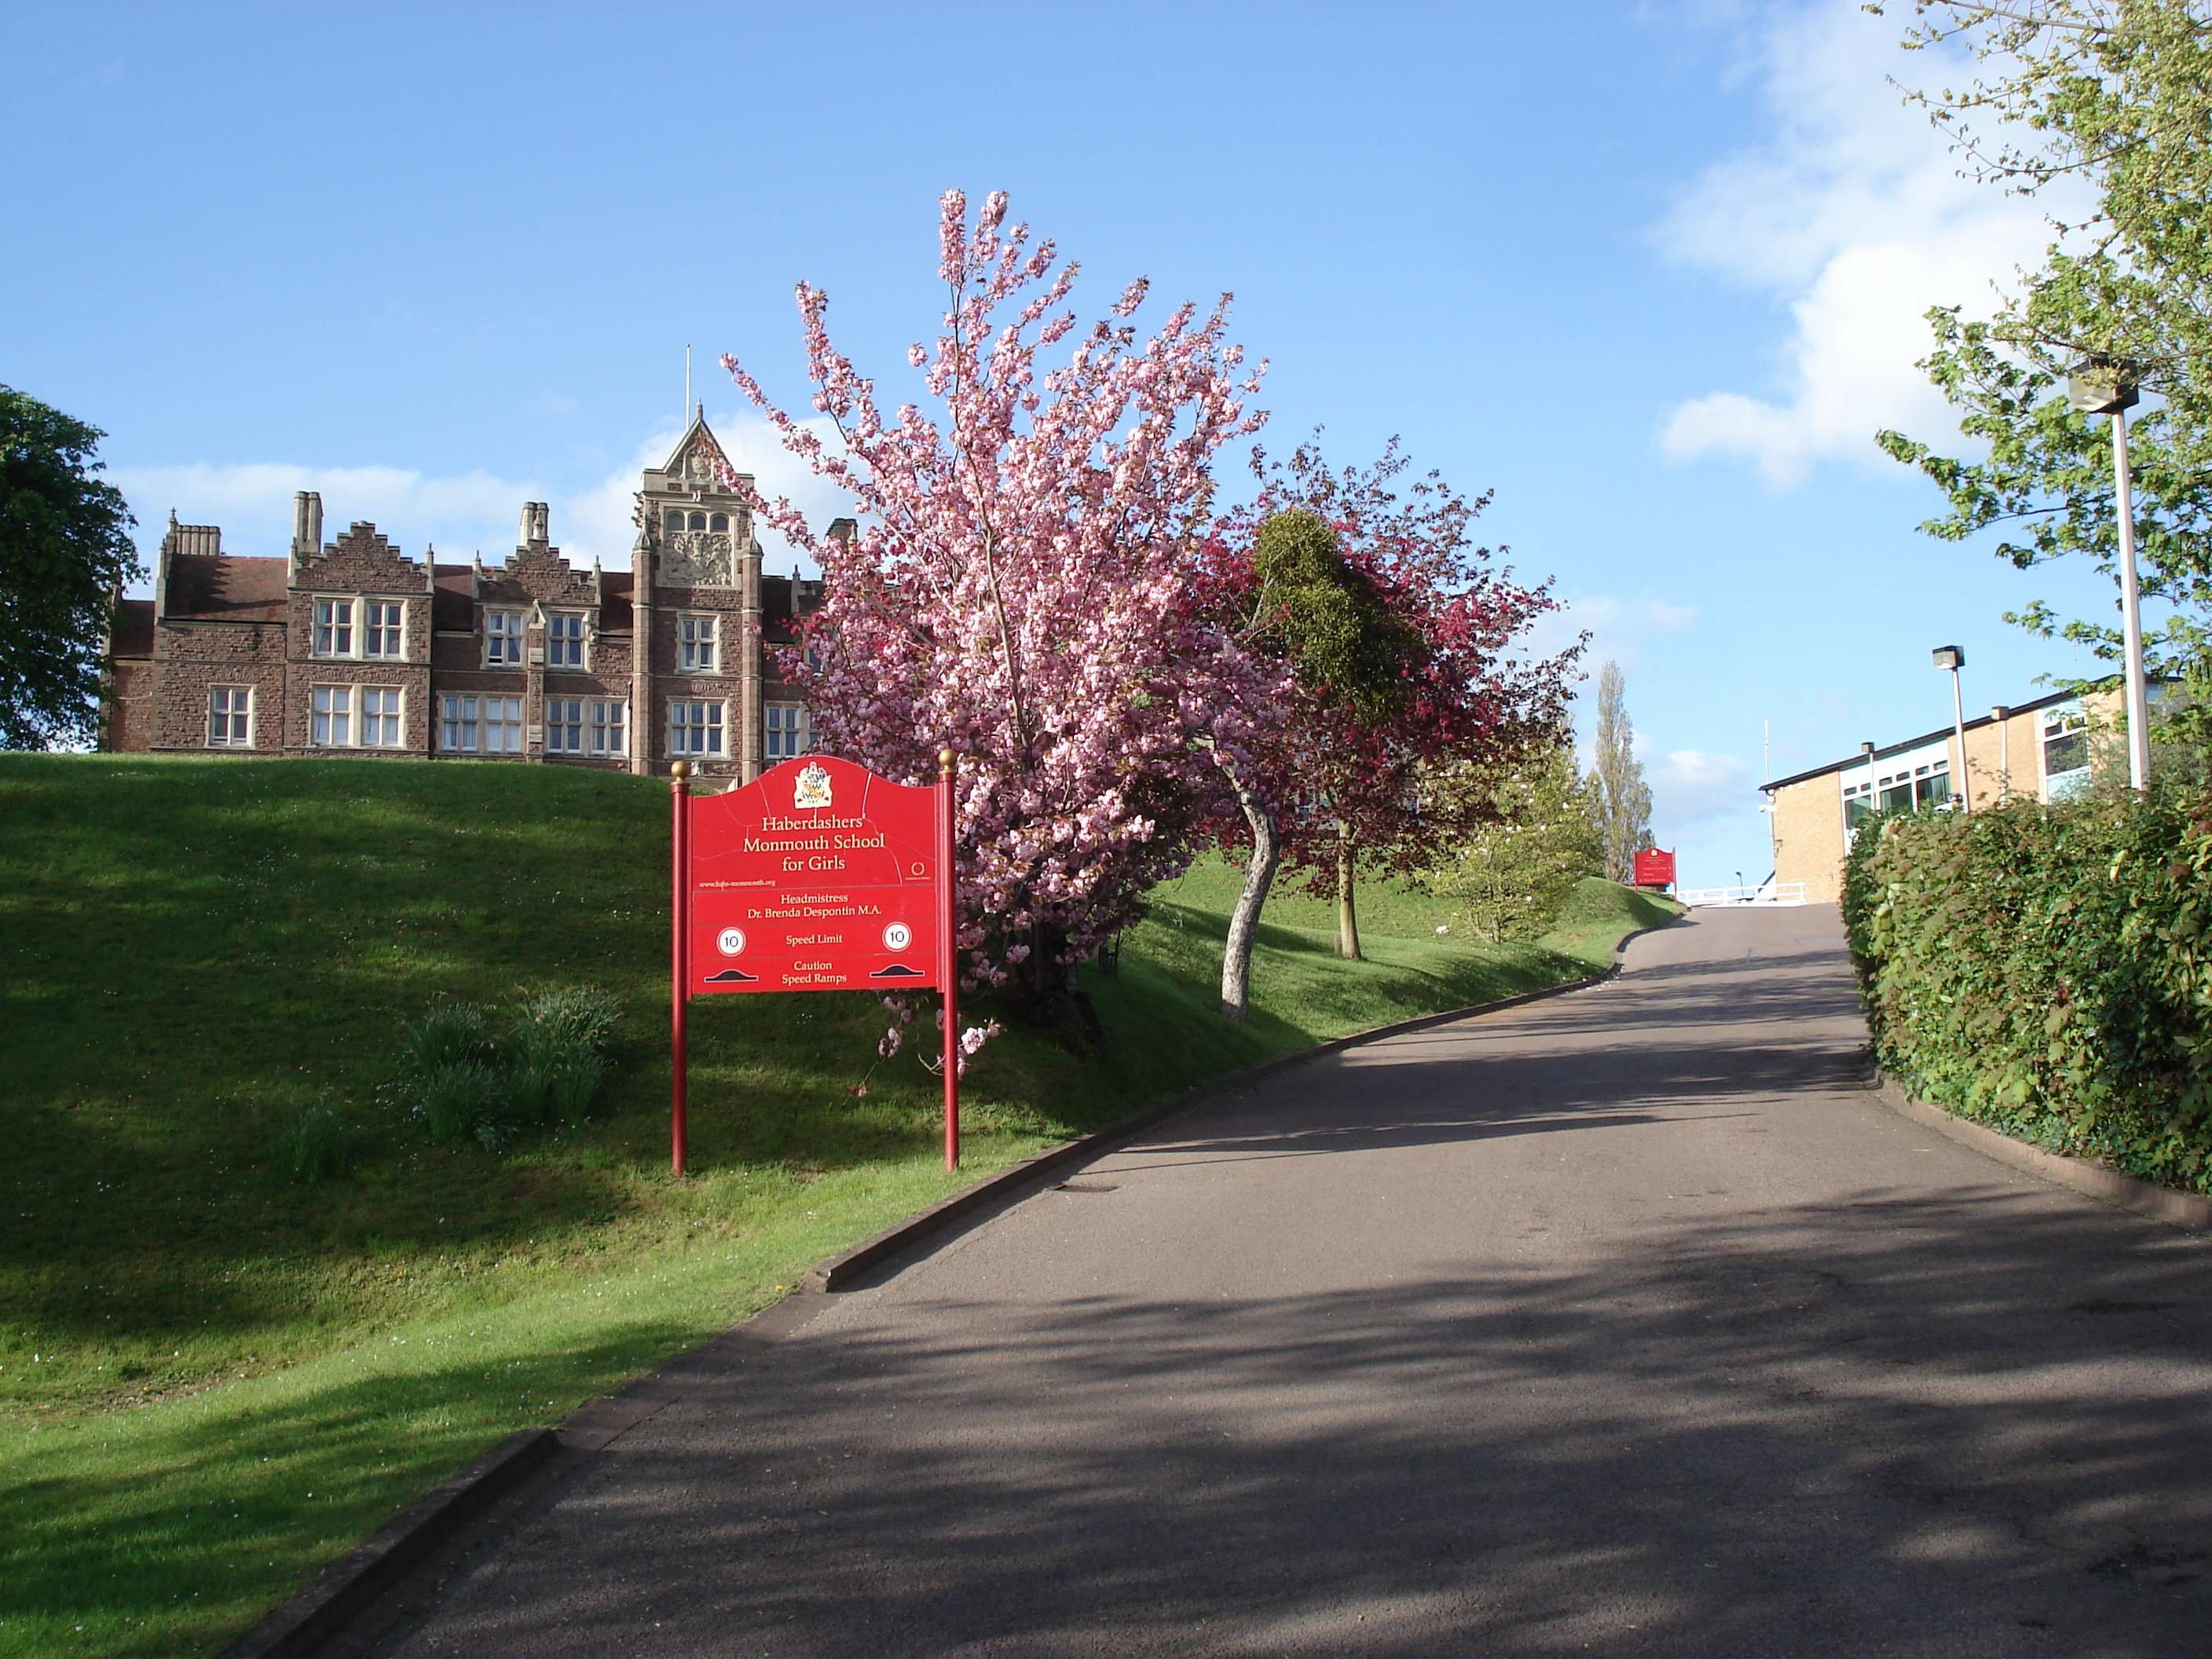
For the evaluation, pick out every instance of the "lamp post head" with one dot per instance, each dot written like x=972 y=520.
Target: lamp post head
x=2096 y=386
x=1950 y=657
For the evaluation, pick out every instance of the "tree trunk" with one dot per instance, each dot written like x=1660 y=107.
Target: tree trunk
x=1245 y=920
x=1043 y=993
x=1347 y=923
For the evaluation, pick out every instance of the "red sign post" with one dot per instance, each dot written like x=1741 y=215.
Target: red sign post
x=1655 y=868
x=818 y=876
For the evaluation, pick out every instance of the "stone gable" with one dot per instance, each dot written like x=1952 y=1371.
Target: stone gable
x=363 y=561
x=540 y=572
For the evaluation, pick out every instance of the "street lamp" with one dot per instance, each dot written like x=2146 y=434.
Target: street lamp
x=2099 y=387
x=1950 y=657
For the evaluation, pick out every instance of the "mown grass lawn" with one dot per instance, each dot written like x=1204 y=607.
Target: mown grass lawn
x=213 y=1379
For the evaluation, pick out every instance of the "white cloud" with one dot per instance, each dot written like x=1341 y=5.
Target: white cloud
x=1619 y=629
x=252 y=502
x=1853 y=214
x=1689 y=786
x=460 y=514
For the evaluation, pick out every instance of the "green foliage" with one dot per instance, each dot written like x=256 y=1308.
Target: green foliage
x=574 y=1020
x=65 y=550
x=2116 y=93
x=467 y=1085
x=1512 y=875
x=470 y=1099
x=2048 y=970
x=315 y=1144
x=1340 y=638
x=451 y=1034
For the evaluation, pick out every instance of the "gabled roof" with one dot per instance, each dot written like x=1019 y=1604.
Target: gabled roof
x=699 y=438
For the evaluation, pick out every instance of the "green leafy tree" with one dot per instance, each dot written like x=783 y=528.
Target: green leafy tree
x=64 y=550
x=2115 y=95
x=1352 y=662
x=1511 y=874
x=1619 y=800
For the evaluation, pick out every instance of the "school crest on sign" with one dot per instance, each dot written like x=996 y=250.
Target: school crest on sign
x=812 y=789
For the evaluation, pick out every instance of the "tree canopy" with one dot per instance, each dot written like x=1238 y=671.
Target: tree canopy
x=1018 y=592
x=1409 y=650
x=1511 y=874
x=2115 y=95
x=65 y=549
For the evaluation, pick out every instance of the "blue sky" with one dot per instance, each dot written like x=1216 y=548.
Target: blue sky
x=1651 y=273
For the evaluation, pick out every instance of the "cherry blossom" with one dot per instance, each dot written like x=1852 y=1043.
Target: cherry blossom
x=1019 y=590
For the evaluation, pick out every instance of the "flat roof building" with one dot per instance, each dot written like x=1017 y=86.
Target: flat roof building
x=2039 y=750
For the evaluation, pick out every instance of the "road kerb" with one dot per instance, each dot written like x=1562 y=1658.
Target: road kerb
x=345 y=1588
x=2176 y=1209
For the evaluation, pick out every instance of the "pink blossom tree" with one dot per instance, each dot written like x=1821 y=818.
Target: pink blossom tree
x=1018 y=589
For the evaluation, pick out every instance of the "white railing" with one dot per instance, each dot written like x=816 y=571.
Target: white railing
x=1775 y=892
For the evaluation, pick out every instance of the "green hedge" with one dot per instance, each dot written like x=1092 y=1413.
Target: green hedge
x=2048 y=970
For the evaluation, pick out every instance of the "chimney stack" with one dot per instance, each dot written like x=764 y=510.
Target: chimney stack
x=306 y=528
x=161 y=569
x=537 y=524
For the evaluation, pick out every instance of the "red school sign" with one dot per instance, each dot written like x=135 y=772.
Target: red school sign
x=818 y=876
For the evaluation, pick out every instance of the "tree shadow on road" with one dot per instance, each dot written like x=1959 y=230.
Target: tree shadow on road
x=1979 y=1425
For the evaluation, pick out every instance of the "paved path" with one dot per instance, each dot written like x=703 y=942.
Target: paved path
x=1625 y=1322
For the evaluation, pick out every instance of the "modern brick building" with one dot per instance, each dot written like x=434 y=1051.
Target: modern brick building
x=352 y=647
x=2039 y=750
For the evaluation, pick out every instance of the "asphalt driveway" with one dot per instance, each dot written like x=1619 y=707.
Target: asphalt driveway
x=1626 y=1322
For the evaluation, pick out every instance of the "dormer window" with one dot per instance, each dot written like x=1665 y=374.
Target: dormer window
x=564 y=641
x=502 y=639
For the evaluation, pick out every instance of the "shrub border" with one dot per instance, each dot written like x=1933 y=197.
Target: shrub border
x=347 y=1587
x=2176 y=1209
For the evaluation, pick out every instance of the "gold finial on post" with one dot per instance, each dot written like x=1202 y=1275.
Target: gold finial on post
x=681 y=770
x=945 y=760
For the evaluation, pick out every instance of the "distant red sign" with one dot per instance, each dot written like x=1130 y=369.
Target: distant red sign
x=818 y=876
x=1655 y=868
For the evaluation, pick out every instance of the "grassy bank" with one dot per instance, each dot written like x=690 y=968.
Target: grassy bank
x=214 y=1378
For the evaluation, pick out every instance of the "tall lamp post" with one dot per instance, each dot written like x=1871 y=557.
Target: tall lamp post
x=2094 y=387
x=1962 y=786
